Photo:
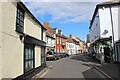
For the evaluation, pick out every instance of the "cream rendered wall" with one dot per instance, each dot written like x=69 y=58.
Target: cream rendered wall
x=0 y=41
x=12 y=47
x=31 y=27
x=44 y=35
x=37 y=56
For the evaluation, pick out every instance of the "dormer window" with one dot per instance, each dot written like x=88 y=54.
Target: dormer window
x=19 y=19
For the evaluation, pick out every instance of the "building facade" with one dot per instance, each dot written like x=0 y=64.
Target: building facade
x=104 y=30
x=50 y=42
x=50 y=38
x=71 y=47
x=77 y=46
x=23 y=42
x=60 y=41
x=82 y=45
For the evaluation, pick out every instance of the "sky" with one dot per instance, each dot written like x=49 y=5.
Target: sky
x=71 y=16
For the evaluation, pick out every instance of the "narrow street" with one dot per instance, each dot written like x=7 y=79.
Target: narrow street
x=75 y=66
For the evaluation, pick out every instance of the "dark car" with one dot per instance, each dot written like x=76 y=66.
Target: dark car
x=57 y=55
x=60 y=55
x=51 y=56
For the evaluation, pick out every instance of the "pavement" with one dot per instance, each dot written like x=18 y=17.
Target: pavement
x=110 y=70
x=79 y=67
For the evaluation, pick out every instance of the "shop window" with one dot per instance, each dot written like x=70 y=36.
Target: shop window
x=29 y=58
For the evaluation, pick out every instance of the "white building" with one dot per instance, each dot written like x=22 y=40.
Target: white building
x=71 y=47
x=101 y=33
x=50 y=42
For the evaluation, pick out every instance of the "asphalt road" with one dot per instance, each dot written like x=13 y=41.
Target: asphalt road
x=75 y=66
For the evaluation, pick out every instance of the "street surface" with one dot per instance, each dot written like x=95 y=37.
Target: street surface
x=75 y=66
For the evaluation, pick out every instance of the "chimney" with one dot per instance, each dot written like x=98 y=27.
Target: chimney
x=70 y=35
x=46 y=24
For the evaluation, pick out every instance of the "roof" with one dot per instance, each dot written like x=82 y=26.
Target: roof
x=79 y=39
x=70 y=40
x=105 y=4
x=49 y=29
x=27 y=10
x=61 y=36
x=49 y=35
x=76 y=42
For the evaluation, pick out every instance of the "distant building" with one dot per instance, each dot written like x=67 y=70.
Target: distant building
x=71 y=47
x=82 y=44
x=104 y=29
x=88 y=44
x=50 y=38
x=50 y=42
x=23 y=42
x=60 y=40
x=77 y=46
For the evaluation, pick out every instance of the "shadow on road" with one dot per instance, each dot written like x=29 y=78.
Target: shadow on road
x=113 y=70
x=79 y=58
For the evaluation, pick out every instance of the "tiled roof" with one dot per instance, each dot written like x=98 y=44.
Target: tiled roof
x=49 y=35
x=49 y=29
x=70 y=40
x=76 y=42
x=61 y=36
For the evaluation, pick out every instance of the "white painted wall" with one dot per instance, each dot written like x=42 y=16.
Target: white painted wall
x=50 y=42
x=105 y=22
x=95 y=29
x=0 y=41
x=119 y=22
x=115 y=22
x=71 y=47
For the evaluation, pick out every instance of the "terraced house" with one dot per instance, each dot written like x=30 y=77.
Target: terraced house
x=23 y=42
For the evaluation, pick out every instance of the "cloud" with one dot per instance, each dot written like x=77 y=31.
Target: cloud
x=63 y=12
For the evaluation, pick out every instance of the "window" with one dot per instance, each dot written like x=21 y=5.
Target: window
x=57 y=40
x=19 y=19
x=29 y=57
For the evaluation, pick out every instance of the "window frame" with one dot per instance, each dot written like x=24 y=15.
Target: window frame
x=32 y=48
x=20 y=19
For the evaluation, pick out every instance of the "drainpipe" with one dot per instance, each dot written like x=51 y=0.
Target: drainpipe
x=112 y=32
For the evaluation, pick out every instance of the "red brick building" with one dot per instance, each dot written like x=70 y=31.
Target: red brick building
x=60 y=41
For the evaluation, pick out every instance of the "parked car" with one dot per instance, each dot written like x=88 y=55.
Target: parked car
x=60 y=55
x=51 y=56
x=57 y=55
x=65 y=54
